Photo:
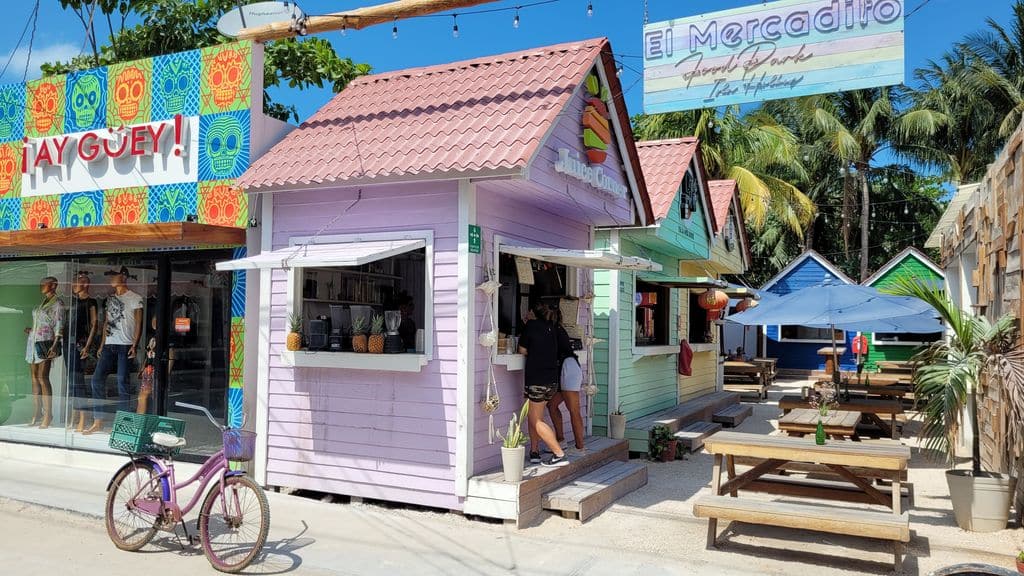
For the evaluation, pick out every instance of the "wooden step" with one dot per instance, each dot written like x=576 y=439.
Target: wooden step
x=758 y=391
x=692 y=436
x=588 y=495
x=733 y=415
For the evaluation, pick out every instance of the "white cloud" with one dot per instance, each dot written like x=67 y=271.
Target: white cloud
x=40 y=54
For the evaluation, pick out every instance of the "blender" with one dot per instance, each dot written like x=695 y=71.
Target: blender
x=393 y=342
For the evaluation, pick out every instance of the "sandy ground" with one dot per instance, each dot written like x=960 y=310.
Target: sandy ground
x=651 y=531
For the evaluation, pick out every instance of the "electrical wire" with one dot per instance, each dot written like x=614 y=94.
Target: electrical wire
x=31 y=41
x=24 y=31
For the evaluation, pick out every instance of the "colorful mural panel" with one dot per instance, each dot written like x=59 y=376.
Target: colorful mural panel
x=10 y=169
x=86 y=100
x=46 y=106
x=40 y=212
x=176 y=77
x=227 y=78
x=81 y=209
x=223 y=145
x=10 y=213
x=12 y=112
x=130 y=86
x=126 y=206
x=221 y=203
x=173 y=202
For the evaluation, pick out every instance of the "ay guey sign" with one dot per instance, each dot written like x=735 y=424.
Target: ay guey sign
x=775 y=50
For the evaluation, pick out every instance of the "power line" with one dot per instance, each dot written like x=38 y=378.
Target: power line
x=914 y=11
x=24 y=31
x=31 y=41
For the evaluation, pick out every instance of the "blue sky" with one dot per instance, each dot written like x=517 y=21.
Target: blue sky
x=426 y=41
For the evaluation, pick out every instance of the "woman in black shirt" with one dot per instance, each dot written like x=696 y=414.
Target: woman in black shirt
x=543 y=348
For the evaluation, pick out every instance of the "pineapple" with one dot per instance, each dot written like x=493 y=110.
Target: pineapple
x=359 y=334
x=377 y=335
x=294 y=341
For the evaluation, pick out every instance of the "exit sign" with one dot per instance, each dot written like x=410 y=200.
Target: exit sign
x=474 y=239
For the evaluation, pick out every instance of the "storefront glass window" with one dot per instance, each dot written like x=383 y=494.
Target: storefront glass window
x=652 y=314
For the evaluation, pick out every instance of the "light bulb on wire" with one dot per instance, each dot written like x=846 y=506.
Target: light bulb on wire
x=590 y=9
x=618 y=70
x=906 y=210
x=455 y=25
x=394 y=30
x=515 y=21
x=872 y=211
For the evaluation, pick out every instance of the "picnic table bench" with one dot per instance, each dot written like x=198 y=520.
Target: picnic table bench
x=872 y=409
x=843 y=458
x=838 y=424
x=895 y=367
x=746 y=377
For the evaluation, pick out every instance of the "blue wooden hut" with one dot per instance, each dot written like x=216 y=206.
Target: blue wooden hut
x=796 y=347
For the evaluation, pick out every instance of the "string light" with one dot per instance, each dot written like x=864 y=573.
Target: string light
x=906 y=209
x=394 y=30
x=455 y=25
x=590 y=9
x=618 y=70
x=872 y=211
x=515 y=21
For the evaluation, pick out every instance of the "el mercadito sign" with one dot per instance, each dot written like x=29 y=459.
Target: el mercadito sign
x=776 y=50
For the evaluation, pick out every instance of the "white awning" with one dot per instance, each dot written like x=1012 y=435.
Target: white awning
x=304 y=256
x=597 y=259
x=694 y=282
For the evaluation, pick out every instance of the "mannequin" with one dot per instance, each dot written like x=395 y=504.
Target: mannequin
x=44 y=340
x=85 y=320
x=147 y=374
x=119 y=340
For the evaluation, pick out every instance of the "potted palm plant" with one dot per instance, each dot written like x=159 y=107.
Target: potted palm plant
x=513 y=446
x=950 y=375
x=617 y=424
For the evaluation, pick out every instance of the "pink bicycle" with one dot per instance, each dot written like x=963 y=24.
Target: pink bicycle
x=142 y=497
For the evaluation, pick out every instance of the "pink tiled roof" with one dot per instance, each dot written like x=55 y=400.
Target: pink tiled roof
x=664 y=162
x=722 y=192
x=474 y=116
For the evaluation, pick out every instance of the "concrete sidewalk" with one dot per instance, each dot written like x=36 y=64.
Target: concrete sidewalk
x=313 y=537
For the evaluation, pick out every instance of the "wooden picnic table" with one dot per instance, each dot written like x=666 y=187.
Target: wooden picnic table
x=755 y=375
x=887 y=460
x=838 y=424
x=770 y=365
x=831 y=354
x=872 y=409
x=890 y=391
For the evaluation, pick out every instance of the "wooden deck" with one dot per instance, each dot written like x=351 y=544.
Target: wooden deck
x=490 y=496
x=677 y=417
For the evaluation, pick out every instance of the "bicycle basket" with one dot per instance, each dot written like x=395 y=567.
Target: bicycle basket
x=132 y=433
x=239 y=445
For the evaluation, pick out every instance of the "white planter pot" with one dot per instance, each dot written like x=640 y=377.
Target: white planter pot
x=512 y=462
x=982 y=503
x=618 y=426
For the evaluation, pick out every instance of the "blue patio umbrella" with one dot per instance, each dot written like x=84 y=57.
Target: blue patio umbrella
x=835 y=305
x=923 y=323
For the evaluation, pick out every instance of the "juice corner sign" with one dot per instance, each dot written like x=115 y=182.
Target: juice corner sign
x=775 y=50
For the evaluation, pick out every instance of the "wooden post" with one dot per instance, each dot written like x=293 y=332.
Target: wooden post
x=716 y=483
x=356 y=19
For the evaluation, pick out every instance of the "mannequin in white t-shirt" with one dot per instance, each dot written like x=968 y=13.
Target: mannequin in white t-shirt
x=119 y=342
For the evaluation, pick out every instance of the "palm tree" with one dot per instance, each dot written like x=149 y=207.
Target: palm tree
x=949 y=373
x=753 y=149
x=996 y=58
x=854 y=127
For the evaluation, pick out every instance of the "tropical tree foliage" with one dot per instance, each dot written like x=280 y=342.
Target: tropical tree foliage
x=950 y=372
x=167 y=26
x=996 y=67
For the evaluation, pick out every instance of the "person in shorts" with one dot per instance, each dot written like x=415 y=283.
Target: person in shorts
x=570 y=383
x=543 y=350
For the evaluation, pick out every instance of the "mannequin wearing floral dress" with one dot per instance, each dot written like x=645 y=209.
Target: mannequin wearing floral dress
x=44 y=341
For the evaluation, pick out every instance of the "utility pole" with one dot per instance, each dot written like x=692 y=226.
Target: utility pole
x=355 y=19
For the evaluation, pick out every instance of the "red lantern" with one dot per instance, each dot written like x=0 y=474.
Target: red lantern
x=714 y=301
x=746 y=304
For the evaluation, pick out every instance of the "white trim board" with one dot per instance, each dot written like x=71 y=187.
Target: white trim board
x=466 y=342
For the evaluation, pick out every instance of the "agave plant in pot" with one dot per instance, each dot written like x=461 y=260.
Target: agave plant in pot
x=617 y=424
x=979 y=357
x=513 y=446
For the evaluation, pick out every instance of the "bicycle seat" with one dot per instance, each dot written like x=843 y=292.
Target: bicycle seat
x=166 y=440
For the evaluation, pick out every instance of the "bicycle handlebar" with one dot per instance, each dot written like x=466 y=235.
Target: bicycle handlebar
x=201 y=409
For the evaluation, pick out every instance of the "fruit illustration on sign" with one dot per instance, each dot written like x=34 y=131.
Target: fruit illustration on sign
x=45 y=101
x=597 y=133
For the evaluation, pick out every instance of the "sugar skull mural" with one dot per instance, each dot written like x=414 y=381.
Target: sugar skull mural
x=40 y=212
x=176 y=85
x=223 y=145
x=12 y=112
x=87 y=100
x=82 y=209
x=129 y=89
x=227 y=78
x=222 y=204
x=125 y=206
x=10 y=213
x=172 y=203
x=45 y=107
x=10 y=169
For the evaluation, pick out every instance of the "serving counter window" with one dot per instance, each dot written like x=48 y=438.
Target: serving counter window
x=356 y=302
x=524 y=282
x=652 y=314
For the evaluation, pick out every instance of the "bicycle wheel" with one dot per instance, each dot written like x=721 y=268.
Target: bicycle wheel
x=128 y=527
x=234 y=529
